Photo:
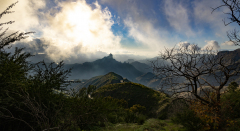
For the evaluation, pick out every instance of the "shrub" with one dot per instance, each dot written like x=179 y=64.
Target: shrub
x=189 y=120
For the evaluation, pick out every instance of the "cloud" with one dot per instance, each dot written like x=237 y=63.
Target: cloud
x=78 y=28
x=146 y=34
x=25 y=15
x=142 y=25
x=228 y=43
x=213 y=45
x=188 y=46
x=177 y=16
x=68 y=31
x=183 y=44
x=203 y=15
x=194 y=47
x=210 y=45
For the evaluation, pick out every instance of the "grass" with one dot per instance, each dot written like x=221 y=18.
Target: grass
x=149 y=125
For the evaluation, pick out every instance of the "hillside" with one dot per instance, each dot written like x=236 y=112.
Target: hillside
x=135 y=93
x=109 y=78
x=230 y=55
x=149 y=80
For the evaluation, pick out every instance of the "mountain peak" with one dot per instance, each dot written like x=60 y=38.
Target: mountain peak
x=110 y=56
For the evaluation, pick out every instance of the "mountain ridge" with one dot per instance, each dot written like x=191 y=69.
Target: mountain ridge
x=103 y=66
x=99 y=81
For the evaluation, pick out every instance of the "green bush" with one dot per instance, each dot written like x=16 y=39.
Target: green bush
x=188 y=119
x=232 y=86
x=137 y=108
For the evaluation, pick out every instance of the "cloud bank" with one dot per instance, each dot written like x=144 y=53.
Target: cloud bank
x=211 y=45
x=228 y=43
x=80 y=29
x=70 y=30
x=25 y=14
x=75 y=30
x=177 y=16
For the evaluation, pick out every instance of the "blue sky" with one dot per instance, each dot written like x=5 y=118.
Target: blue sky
x=84 y=30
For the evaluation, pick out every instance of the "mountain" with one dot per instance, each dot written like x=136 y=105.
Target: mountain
x=102 y=66
x=142 y=67
x=135 y=93
x=230 y=55
x=110 y=78
x=148 y=79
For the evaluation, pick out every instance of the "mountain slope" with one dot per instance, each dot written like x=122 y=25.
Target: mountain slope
x=149 y=79
x=142 y=67
x=110 y=78
x=230 y=55
x=134 y=93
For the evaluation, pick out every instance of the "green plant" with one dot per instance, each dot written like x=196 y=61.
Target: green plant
x=189 y=120
x=232 y=86
x=137 y=108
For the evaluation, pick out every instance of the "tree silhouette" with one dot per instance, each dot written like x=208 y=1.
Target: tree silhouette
x=233 y=7
x=195 y=74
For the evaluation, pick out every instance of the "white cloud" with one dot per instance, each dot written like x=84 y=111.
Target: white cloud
x=79 y=28
x=183 y=44
x=212 y=45
x=228 y=43
x=188 y=46
x=177 y=16
x=194 y=47
x=25 y=15
x=142 y=25
x=144 y=32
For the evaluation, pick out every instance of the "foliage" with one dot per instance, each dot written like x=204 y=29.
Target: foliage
x=209 y=114
x=189 y=120
x=192 y=74
x=232 y=86
x=148 y=125
x=231 y=108
x=134 y=93
x=137 y=108
x=109 y=78
x=32 y=96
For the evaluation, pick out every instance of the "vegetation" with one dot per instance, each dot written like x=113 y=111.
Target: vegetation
x=109 y=78
x=134 y=94
x=33 y=97
x=149 y=125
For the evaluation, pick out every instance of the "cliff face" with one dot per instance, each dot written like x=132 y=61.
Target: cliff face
x=230 y=55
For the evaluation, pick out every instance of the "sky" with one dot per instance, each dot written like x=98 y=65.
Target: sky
x=77 y=31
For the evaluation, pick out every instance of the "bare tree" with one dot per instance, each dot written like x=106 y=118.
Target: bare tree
x=192 y=73
x=233 y=14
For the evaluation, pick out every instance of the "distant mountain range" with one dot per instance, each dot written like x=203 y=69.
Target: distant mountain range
x=97 y=72
x=149 y=80
x=231 y=55
x=103 y=66
x=142 y=67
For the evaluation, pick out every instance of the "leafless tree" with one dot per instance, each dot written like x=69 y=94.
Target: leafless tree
x=233 y=14
x=195 y=73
